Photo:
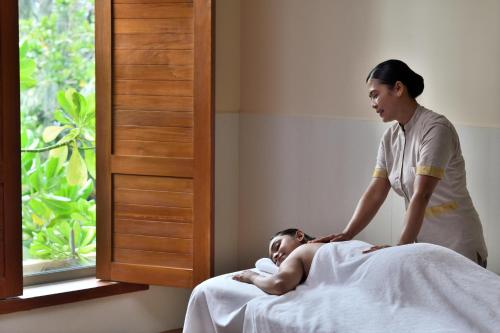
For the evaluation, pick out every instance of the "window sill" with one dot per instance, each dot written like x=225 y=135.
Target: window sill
x=66 y=292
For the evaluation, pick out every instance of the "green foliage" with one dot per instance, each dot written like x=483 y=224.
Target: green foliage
x=57 y=129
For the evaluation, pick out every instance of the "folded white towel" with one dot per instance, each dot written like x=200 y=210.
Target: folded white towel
x=266 y=265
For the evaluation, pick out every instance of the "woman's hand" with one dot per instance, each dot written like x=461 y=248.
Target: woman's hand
x=333 y=238
x=246 y=276
x=376 y=248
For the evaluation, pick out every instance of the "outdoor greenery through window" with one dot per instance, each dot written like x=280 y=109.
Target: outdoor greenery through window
x=56 y=49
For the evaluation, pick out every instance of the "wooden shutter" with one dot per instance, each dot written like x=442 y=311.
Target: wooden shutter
x=154 y=141
x=11 y=271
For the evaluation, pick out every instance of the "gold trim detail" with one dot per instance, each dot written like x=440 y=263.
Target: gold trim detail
x=435 y=211
x=379 y=173
x=430 y=171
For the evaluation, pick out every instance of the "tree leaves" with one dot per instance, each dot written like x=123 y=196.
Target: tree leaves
x=76 y=172
x=51 y=132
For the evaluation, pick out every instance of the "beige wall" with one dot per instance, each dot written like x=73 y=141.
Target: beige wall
x=227 y=106
x=307 y=135
x=311 y=57
x=227 y=66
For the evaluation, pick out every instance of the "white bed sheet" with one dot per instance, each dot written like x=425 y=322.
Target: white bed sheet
x=411 y=288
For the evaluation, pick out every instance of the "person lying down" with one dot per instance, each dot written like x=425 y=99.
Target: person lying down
x=289 y=250
x=292 y=252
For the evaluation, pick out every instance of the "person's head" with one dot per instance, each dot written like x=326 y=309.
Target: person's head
x=392 y=89
x=284 y=242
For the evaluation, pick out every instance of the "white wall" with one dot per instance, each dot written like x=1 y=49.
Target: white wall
x=154 y=310
x=308 y=137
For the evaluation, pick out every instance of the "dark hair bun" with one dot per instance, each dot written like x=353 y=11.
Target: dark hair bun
x=391 y=71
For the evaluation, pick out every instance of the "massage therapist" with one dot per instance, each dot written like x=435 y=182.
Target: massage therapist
x=419 y=156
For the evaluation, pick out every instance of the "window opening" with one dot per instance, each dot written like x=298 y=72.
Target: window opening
x=57 y=75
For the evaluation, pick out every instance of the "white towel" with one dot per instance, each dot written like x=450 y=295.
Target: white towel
x=266 y=265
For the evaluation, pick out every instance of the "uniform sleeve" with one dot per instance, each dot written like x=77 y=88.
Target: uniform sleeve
x=381 y=165
x=435 y=151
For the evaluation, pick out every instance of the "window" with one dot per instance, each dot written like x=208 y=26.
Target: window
x=57 y=77
x=154 y=135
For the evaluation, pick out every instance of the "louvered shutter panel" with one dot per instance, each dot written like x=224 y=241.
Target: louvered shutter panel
x=154 y=141
x=11 y=279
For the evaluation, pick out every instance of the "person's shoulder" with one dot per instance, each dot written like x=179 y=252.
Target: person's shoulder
x=307 y=249
x=390 y=133
x=429 y=118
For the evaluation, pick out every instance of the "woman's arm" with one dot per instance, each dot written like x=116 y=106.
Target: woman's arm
x=278 y=284
x=291 y=273
x=414 y=216
x=367 y=207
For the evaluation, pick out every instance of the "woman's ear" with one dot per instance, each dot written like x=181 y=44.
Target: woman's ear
x=399 y=88
x=299 y=234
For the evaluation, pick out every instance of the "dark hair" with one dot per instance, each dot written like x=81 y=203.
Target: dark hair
x=291 y=232
x=390 y=71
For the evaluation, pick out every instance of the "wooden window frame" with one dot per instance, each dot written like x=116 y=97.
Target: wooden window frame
x=10 y=233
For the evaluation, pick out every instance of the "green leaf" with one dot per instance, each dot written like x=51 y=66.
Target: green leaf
x=65 y=229
x=51 y=132
x=61 y=153
x=34 y=180
x=76 y=173
x=56 y=197
x=40 y=208
x=59 y=205
x=51 y=168
x=54 y=238
x=85 y=192
x=38 y=250
x=90 y=233
x=87 y=249
x=89 y=134
x=62 y=117
x=27 y=70
x=38 y=221
x=65 y=101
x=72 y=134
x=90 y=162
x=77 y=233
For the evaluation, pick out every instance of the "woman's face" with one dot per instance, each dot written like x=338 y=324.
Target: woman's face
x=384 y=99
x=281 y=246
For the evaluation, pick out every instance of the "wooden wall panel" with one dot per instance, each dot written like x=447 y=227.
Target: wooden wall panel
x=136 y=257
x=134 y=26
x=153 y=124
x=153 y=133
x=152 y=118
x=2 y=231
x=11 y=271
x=153 y=228
x=153 y=183
x=151 y=1
x=154 y=103
x=152 y=10
x=153 y=213
x=154 y=72
x=154 y=87
x=153 y=243
x=155 y=198
x=152 y=148
x=153 y=57
x=153 y=166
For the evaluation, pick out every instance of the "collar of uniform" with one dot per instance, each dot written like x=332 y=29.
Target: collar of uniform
x=411 y=123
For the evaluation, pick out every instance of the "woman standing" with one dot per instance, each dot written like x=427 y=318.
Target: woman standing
x=420 y=158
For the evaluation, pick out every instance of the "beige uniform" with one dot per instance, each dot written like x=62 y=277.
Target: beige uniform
x=428 y=145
